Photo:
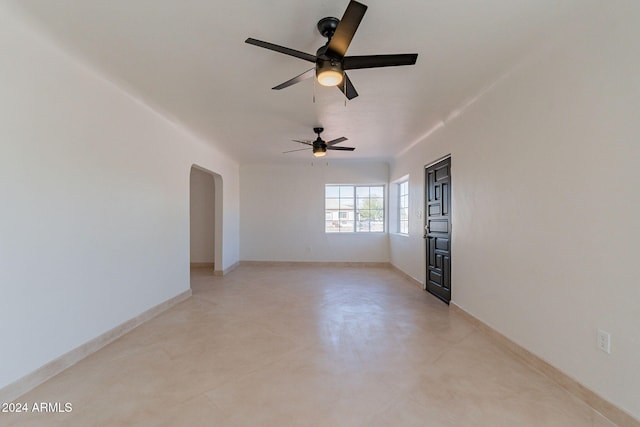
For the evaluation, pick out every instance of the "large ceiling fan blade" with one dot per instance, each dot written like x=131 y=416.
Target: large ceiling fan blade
x=282 y=49
x=336 y=141
x=346 y=29
x=347 y=88
x=303 y=142
x=375 y=61
x=341 y=148
x=306 y=75
x=299 y=149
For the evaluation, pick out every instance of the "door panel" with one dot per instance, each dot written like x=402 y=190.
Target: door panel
x=438 y=229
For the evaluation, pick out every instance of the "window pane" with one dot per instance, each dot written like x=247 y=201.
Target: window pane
x=346 y=226
x=377 y=226
x=404 y=214
x=377 y=191
x=362 y=191
x=376 y=203
x=331 y=226
x=332 y=203
x=346 y=191
x=363 y=225
x=403 y=207
x=363 y=204
x=331 y=191
x=346 y=204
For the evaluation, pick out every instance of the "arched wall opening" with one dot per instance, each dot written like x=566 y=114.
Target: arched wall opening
x=205 y=219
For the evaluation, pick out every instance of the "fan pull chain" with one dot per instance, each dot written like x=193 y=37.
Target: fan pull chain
x=314 y=90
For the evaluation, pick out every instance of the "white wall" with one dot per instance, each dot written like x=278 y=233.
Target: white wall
x=94 y=191
x=546 y=202
x=202 y=216
x=282 y=216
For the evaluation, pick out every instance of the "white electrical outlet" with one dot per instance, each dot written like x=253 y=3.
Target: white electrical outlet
x=604 y=341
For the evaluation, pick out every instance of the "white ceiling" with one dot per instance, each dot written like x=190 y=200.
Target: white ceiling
x=188 y=60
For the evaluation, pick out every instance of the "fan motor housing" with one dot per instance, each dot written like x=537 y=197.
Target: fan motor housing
x=319 y=144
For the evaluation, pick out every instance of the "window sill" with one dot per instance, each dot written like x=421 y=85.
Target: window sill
x=356 y=233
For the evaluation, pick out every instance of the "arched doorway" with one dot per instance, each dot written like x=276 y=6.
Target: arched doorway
x=205 y=219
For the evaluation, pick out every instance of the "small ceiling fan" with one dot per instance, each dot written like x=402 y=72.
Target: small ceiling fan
x=319 y=146
x=330 y=59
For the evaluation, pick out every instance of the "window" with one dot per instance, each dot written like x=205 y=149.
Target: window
x=403 y=207
x=354 y=209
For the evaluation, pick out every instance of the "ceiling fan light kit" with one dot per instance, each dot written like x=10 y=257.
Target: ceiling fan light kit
x=329 y=74
x=319 y=152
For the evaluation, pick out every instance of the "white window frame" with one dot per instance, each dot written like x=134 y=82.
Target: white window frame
x=348 y=207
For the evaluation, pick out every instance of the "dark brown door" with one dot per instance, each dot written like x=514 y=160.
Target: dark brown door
x=438 y=228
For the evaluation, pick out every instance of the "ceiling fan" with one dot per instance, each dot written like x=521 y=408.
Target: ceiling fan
x=319 y=146
x=330 y=59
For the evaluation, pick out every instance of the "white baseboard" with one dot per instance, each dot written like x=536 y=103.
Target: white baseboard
x=315 y=264
x=203 y=265
x=617 y=415
x=53 y=368
x=412 y=279
x=227 y=270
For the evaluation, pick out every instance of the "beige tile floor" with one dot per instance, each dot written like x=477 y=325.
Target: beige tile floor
x=306 y=346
